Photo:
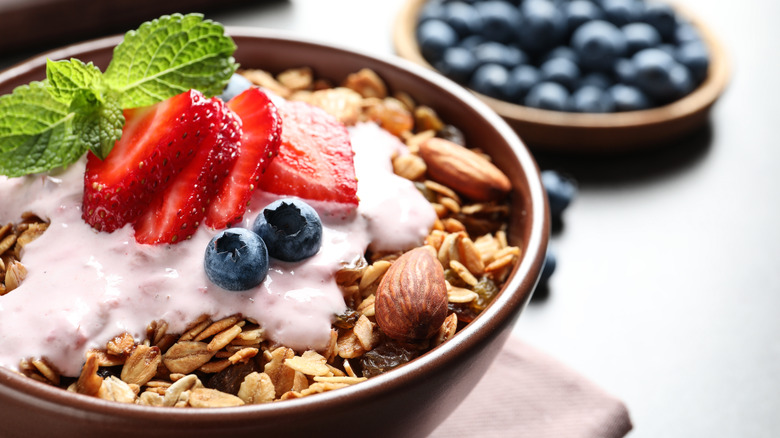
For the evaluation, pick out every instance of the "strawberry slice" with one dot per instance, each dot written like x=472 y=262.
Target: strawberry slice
x=262 y=128
x=175 y=212
x=157 y=142
x=315 y=158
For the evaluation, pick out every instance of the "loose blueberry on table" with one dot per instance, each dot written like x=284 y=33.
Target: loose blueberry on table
x=561 y=191
x=514 y=50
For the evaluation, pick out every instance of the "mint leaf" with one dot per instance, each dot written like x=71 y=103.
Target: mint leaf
x=49 y=124
x=168 y=56
x=66 y=78
x=36 y=132
x=99 y=129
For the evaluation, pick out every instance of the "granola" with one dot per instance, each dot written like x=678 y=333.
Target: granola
x=231 y=361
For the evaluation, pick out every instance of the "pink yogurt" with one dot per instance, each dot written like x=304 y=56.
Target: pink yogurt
x=84 y=287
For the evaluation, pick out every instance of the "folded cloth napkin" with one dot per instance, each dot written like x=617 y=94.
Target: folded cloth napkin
x=526 y=393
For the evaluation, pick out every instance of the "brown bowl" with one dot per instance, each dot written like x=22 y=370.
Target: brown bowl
x=576 y=132
x=406 y=402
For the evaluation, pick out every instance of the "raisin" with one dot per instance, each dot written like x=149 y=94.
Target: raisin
x=105 y=372
x=486 y=290
x=392 y=116
x=478 y=226
x=465 y=312
x=429 y=194
x=453 y=134
x=347 y=319
x=387 y=356
x=454 y=279
x=229 y=380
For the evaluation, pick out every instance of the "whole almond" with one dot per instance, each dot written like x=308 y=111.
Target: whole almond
x=464 y=171
x=411 y=300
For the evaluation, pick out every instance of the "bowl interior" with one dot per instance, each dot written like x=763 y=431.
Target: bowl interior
x=449 y=370
x=578 y=132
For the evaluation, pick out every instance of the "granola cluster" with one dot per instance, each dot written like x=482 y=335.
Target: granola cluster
x=13 y=238
x=229 y=362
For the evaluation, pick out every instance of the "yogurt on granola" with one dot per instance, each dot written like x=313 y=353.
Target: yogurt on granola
x=84 y=287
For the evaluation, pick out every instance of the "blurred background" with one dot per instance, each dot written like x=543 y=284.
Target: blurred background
x=667 y=288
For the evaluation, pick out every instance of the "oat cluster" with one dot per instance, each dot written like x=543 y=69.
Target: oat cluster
x=229 y=361
x=13 y=238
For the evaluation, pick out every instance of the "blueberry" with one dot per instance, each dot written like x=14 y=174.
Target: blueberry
x=560 y=52
x=640 y=36
x=547 y=95
x=628 y=98
x=621 y=12
x=561 y=191
x=491 y=52
x=598 y=44
x=590 y=99
x=561 y=70
x=457 y=64
x=521 y=79
x=671 y=49
x=695 y=56
x=596 y=79
x=682 y=81
x=490 y=80
x=579 y=12
x=548 y=268
x=654 y=74
x=433 y=10
x=235 y=86
x=662 y=17
x=462 y=17
x=291 y=229
x=434 y=37
x=543 y=26
x=499 y=20
x=625 y=71
x=236 y=259
x=472 y=41
x=686 y=33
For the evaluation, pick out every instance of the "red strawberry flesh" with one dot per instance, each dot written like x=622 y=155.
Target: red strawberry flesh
x=156 y=143
x=262 y=127
x=315 y=159
x=175 y=212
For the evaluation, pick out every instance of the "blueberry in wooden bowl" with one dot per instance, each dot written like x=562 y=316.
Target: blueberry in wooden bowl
x=644 y=99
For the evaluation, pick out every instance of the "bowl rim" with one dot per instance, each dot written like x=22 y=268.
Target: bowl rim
x=702 y=98
x=504 y=308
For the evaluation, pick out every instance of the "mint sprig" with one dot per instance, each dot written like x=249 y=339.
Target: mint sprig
x=67 y=78
x=168 y=56
x=50 y=124
x=30 y=121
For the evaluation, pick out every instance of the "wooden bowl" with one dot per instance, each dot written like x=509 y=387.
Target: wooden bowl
x=409 y=401
x=591 y=133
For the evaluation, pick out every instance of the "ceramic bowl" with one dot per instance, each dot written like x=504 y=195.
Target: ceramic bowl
x=593 y=133
x=409 y=401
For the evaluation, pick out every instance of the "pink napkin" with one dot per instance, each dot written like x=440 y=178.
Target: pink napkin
x=529 y=394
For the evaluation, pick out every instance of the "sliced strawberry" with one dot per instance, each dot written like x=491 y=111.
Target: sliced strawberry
x=175 y=213
x=315 y=158
x=157 y=142
x=262 y=128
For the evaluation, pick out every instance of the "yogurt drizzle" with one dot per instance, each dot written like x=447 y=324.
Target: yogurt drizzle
x=84 y=287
